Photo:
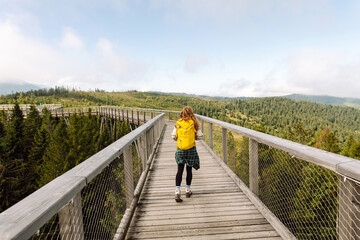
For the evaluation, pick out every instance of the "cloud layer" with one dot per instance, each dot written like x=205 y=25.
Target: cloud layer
x=26 y=58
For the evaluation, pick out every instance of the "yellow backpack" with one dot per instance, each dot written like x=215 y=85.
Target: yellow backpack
x=185 y=132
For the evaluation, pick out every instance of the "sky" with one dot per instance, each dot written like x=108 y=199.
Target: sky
x=232 y=48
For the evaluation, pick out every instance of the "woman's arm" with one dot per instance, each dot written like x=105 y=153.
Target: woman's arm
x=173 y=134
x=199 y=135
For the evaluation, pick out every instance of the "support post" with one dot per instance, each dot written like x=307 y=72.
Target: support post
x=211 y=135
x=348 y=222
x=254 y=166
x=152 y=115
x=148 y=142
x=71 y=219
x=137 y=117
x=129 y=178
x=115 y=130
x=127 y=116
x=144 y=155
x=144 y=116
x=202 y=126
x=224 y=145
x=132 y=116
x=169 y=116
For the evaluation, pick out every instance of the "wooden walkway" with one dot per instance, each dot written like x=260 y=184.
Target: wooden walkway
x=218 y=209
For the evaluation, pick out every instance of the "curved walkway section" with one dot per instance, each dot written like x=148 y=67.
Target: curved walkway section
x=218 y=209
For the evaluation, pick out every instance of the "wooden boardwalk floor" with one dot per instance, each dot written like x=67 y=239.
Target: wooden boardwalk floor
x=218 y=209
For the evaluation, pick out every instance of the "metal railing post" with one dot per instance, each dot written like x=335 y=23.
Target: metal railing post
x=254 y=166
x=129 y=178
x=202 y=126
x=348 y=222
x=71 y=219
x=137 y=117
x=144 y=155
x=224 y=145
x=211 y=135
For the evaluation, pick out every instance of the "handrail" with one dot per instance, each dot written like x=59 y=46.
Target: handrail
x=27 y=216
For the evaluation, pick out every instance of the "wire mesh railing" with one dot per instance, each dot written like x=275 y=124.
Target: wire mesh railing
x=94 y=200
x=312 y=193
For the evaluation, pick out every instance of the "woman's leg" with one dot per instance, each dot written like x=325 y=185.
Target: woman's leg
x=179 y=174
x=188 y=175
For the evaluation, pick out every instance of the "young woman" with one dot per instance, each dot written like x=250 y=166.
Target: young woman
x=185 y=132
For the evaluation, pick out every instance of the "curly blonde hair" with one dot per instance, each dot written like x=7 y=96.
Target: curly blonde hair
x=187 y=113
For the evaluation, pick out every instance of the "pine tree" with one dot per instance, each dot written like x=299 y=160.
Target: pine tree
x=327 y=141
x=15 y=133
x=54 y=160
x=11 y=172
x=104 y=138
x=41 y=142
x=32 y=125
x=2 y=131
x=346 y=149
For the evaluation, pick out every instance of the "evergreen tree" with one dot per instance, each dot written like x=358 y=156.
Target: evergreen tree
x=54 y=160
x=11 y=172
x=355 y=150
x=327 y=141
x=14 y=135
x=346 y=149
x=104 y=138
x=32 y=124
x=2 y=131
x=41 y=142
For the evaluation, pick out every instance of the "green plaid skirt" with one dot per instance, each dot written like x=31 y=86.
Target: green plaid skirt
x=190 y=157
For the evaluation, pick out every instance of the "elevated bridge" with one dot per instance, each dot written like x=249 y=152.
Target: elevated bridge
x=250 y=186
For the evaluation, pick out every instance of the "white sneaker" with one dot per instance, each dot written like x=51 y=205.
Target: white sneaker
x=188 y=192
x=178 y=196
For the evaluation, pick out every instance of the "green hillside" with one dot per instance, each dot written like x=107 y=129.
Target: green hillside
x=274 y=115
x=350 y=102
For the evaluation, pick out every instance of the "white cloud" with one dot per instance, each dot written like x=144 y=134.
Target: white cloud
x=331 y=73
x=306 y=71
x=71 y=40
x=105 y=46
x=25 y=58
x=194 y=62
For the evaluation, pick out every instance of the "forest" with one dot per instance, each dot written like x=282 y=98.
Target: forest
x=36 y=149
x=29 y=147
x=337 y=127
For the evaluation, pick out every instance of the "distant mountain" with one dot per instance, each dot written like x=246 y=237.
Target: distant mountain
x=203 y=96
x=8 y=88
x=350 y=102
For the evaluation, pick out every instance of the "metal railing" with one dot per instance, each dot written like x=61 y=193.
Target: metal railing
x=304 y=192
x=95 y=199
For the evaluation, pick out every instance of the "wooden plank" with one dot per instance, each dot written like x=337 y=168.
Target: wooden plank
x=170 y=211
x=172 y=206
x=203 y=231
x=185 y=226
